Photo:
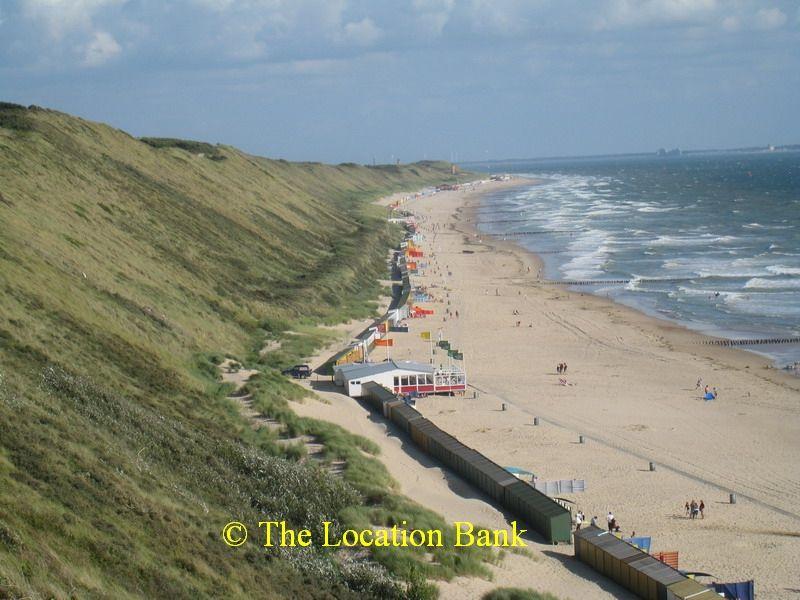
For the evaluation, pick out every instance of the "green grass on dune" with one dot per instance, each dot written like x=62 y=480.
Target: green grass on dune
x=128 y=270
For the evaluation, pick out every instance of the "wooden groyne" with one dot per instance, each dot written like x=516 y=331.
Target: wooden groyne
x=752 y=342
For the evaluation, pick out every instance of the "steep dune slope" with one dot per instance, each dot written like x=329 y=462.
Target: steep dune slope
x=123 y=264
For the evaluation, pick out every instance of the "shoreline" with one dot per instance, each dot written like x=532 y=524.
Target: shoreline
x=627 y=396
x=631 y=395
x=684 y=335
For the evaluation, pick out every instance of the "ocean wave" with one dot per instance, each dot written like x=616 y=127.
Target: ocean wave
x=693 y=240
x=783 y=270
x=730 y=266
x=774 y=305
x=598 y=212
x=711 y=294
x=657 y=209
x=772 y=284
x=674 y=264
x=586 y=265
x=635 y=285
x=701 y=274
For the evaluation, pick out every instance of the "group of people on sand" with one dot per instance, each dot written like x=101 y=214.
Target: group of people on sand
x=611 y=522
x=695 y=508
x=561 y=368
x=519 y=323
x=708 y=393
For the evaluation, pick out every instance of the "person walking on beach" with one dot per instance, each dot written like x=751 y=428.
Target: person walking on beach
x=701 y=508
x=688 y=508
x=578 y=521
x=699 y=383
x=610 y=520
x=695 y=509
x=564 y=370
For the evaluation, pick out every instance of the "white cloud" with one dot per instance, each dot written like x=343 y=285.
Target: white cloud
x=433 y=15
x=731 y=23
x=361 y=33
x=60 y=16
x=626 y=13
x=102 y=48
x=505 y=18
x=770 y=18
x=219 y=5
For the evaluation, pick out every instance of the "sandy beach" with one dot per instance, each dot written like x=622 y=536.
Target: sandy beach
x=631 y=394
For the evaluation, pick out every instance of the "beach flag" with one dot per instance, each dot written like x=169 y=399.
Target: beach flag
x=385 y=342
x=425 y=335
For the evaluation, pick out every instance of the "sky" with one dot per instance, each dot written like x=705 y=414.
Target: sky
x=373 y=80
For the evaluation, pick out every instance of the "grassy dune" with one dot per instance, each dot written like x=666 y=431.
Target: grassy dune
x=128 y=270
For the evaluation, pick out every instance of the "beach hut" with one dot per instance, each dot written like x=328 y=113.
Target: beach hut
x=630 y=567
x=540 y=511
x=351 y=354
x=377 y=395
x=689 y=589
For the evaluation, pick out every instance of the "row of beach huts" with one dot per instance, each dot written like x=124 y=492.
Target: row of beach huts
x=352 y=367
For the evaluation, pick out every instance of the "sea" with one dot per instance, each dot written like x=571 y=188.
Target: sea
x=711 y=241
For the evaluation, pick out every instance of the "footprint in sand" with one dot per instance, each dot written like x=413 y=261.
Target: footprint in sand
x=636 y=427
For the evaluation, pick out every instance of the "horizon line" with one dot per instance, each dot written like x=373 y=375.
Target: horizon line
x=743 y=149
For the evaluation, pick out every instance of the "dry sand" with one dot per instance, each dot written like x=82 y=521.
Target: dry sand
x=631 y=394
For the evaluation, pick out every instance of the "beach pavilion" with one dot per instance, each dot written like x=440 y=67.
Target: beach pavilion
x=401 y=377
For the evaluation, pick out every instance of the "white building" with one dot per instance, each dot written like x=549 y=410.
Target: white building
x=402 y=377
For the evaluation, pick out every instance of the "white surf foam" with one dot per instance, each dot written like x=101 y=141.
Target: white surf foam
x=772 y=284
x=783 y=270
